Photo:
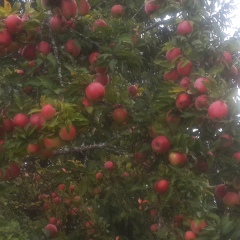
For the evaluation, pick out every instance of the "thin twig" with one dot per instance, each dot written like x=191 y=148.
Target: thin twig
x=138 y=11
x=156 y=24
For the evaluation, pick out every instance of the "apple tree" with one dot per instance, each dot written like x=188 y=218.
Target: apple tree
x=119 y=120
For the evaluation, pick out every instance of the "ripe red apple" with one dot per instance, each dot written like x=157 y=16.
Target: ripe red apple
x=160 y=144
x=154 y=227
x=52 y=220
x=220 y=191
x=20 y=120
x=236 y=155
x=5 y=39
x=20 y=72
x=93 y=57
x=173 y=54
x=199 y=85
x=13 y=24
x=151 y=7
x=109 y=165
x=125 y=174
x=233 y=71
x=37 y=120
x=69 y=8
x=183 y=101
x=171 y=76
x=227 y=56
x=201 y=102
x=52 y=143
x=83 y=7
x=173 y=118
x=61 y=187
x=86 y=102
x=48 y=111
x=184 y=69
x=52 y=230
x=14 y=170
x=72 y=48
x=99 y=176
x=119 y=115
x=103 y=79
x=177 y=158
x=7 y=125
x=58 y=23
x=68 y=133
x=226 y=140
x=117 y=11
x=185 y=83
x=99 y=23
x=184 y=28
x=95 y=92
x=189 y=235
x=218 y=110
x=57 y=200
x=29 y=52
x=44 y=48
x=33 y=148
x=132 y=90
x=161 y=186
x=231 y=199
x=196 y=227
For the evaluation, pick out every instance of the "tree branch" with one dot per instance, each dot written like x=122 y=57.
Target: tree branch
x=156 y=24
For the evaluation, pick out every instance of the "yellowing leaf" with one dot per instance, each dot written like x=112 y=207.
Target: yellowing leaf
x=7 y=7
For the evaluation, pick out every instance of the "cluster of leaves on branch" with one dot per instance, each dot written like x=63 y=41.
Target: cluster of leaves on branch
x=119 y=120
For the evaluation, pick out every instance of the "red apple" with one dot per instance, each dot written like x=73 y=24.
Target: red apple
x=44 y=48
x=183 y=101
x=117 y=11
x=173 y=54
x=57 y=200
x=226 y=140
x=48 y=111
x=184 y=28
x=37 y=120
x=151 y=7
x=109 y=165
x=68 y=133
x=119 y=115
x=52 y=220
x=233 y=71
x=201 y=102
x=61 y=187
x=236 y=155
x=20 y=72
x=99 y=176
x=189 y=235
x=29 y=52
x=184 y=69
x=173 y=118
x=200 y=86
x=227 y=57
x=218 y=110
x=103 y=79
x=101 y=70
x=33 y=148
x=58 y=23
x=171 y=76
x=231 y=199
x=72 y=48
x=132 y=90
x=86 y=102
x=20 y=120
x=99 y=23
x=14 y=170
x=68 y=8
x=220 y=191
x=185 y=83
x=178 y=219
x=13 y=24
x=160 y=144
x=177 y=158
x=95 y=92
x=7 y=125
x=93 y=57
x=52 y=143
x=52 y=230
x=161 y=186
x=198 y=226
x=154 y=227
x=83 y=7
